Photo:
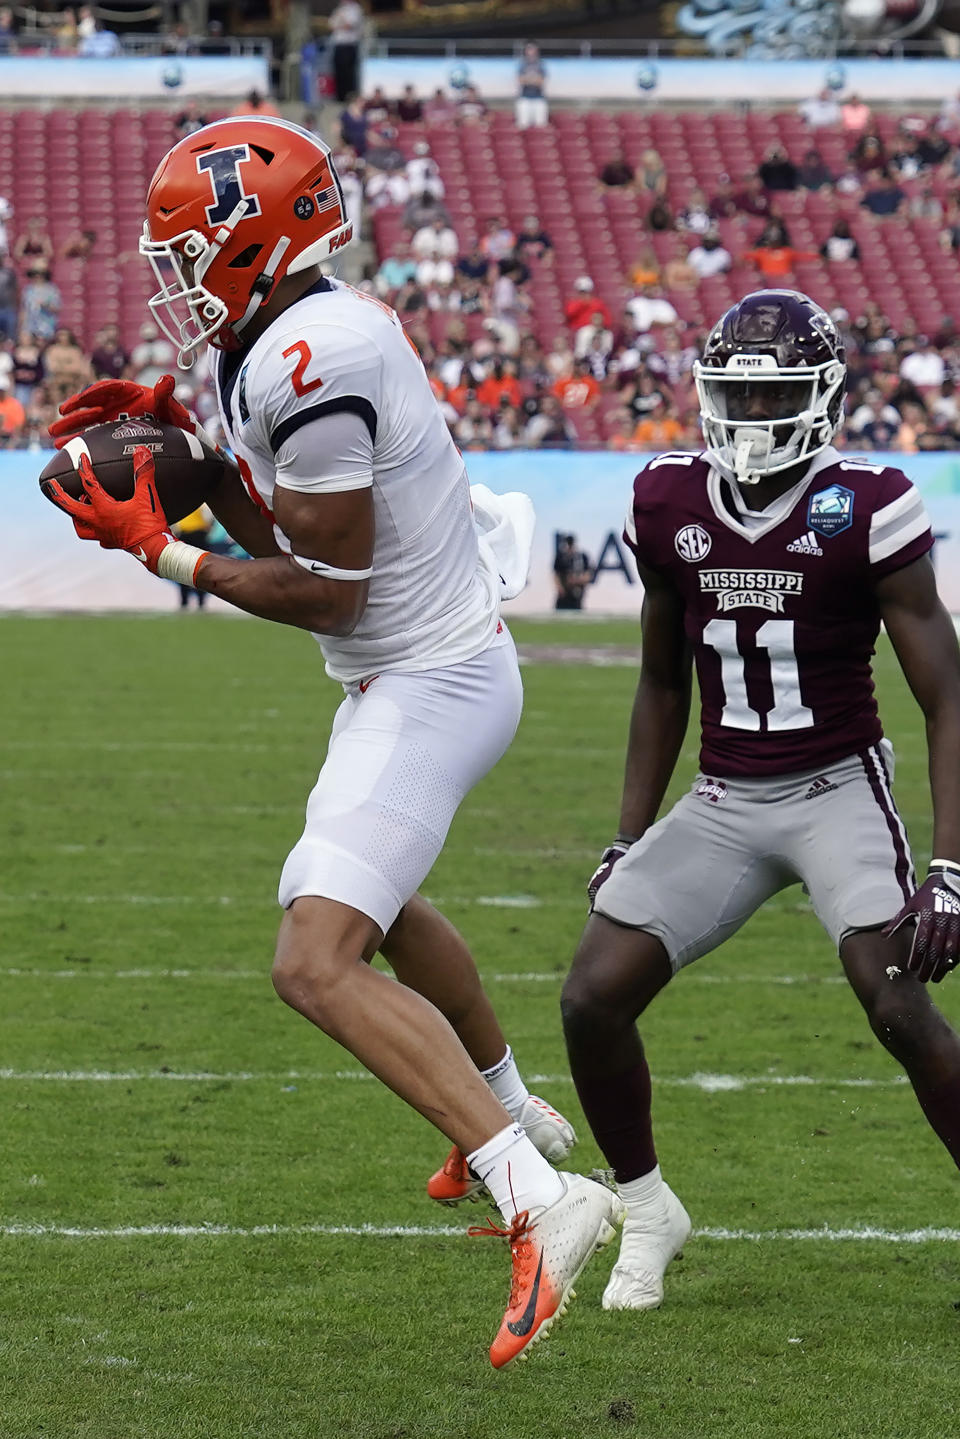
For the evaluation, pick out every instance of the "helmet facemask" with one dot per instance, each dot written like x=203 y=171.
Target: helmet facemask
x=759 y=419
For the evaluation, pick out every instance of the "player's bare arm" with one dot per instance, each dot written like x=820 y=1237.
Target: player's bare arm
x=331 y=538
x=922 y=634
x=661 y=707
x=240 y=517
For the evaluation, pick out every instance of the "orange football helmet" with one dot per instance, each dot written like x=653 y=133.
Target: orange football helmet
x=231 y=210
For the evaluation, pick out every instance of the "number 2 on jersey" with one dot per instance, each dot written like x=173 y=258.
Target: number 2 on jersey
x=300 y=386
x=776 y=637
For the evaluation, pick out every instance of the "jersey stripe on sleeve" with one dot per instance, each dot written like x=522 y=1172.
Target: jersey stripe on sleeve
x=355 y=404
x=895 y=526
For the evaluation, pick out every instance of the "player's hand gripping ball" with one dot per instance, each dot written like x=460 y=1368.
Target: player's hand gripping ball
x=186 y=471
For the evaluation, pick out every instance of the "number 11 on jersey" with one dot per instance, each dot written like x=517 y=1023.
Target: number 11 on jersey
x=776 y=637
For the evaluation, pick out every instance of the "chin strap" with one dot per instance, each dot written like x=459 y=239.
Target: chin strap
x=263 y=284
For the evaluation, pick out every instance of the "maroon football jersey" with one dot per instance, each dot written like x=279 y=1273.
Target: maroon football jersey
x=780 y=607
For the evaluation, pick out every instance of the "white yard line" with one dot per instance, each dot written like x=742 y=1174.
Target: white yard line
x=536 y=976
x=860 y=1233
x=495 y=901
x=705 y=1082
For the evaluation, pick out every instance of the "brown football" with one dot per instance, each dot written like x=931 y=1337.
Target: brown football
x=187 y=469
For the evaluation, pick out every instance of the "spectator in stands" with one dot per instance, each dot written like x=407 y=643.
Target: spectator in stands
x=435 y=247
x=8 y=38
x=584 y=304
x=12 y=415
x=950 y=234
x=868 y=156
x=559 y=362
x=813 y=173
x=423 y=172
x=932 y=148
x=906 y=160
x=945 y=407
x=652 y=174
x=925 y=204
x=108 y=358
x=949 y=118
x=695 y=216
x=152 y=357
x=660 y=430
x=840 y=243
x=752 y=198
x=854 y=115
x=533 y=242
x=878 y=422
x=646 y=268
x=439 y=109
x=884 y=197
x=40 y=304
x=67 y=367
x=409 y=106
x=547 y=428
x=34 y=245
x=500 y=383
x=594 y=338
x=498 y=240
x=914 y=433
x=383 y=149
x=471 y=109
x=79 y=245
x=352 y=170
x=396 y=270
x=353 y=125
x=190 y=119
x=710 y=257
x=579 y=390
x=9 y=299
x=777 y=170
x=617 y=173
x=473 y=430
x=475 y=265
x=723 y=203
x=618 y=427
x=923 y=366
x=346 y=23
x=531 y=105
x=27 y=373
x=822 y=110
x=99 y=44
x=506 y=427
x=679 y=274
x=377 y=107
x=508 y=300
x=773 y=254
x=660 y=216
x=64 y=31
x=383 y=188
x=671 y=363
x=649 y=308
x=422 y=210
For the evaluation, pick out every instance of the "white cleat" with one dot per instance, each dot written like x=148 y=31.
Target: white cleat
x=549 y=1251
x=547 y=1130
x=646 y=1248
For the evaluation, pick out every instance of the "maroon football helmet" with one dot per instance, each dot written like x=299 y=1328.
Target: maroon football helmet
x=770 y=384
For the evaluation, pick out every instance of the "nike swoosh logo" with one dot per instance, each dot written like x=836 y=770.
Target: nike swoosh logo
x=525 y=1323
x=140 y=554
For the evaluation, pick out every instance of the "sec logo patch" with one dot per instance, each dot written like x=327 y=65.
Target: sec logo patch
x=692 y=543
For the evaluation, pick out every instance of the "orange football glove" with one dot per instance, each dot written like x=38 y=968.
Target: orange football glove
x=106 y=400
x=137 y=525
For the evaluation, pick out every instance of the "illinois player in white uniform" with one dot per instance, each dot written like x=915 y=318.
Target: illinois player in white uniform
x=355 y=502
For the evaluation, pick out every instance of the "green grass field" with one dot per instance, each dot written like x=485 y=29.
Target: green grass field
x=187 y=1166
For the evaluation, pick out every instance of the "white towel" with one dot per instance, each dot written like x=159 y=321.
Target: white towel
x=505 y=525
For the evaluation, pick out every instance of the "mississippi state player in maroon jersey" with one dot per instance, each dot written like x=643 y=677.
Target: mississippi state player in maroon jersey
x=769 y=561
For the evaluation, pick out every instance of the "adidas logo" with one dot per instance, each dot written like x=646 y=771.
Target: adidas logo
x=945 y=902
x=821 y=785
x=805 y=545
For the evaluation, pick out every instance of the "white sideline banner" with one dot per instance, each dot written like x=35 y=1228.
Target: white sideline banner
x=132 y=77
x=43 y=566
x=670 y=81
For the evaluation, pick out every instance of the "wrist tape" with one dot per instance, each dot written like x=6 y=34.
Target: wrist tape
x=179 y=562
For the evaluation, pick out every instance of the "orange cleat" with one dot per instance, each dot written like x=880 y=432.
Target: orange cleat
x=548 y=1253
x=454 y=1183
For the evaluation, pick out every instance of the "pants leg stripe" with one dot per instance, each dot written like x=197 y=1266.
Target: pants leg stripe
x=876 y=772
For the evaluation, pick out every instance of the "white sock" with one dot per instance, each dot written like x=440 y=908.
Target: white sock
x=504 y=1079
x=644 y=1196
x=515 y=1173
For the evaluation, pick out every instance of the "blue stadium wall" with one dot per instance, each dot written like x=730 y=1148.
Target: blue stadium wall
x=43 y=567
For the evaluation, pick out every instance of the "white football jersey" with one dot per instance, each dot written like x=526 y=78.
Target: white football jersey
x=434 y=597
